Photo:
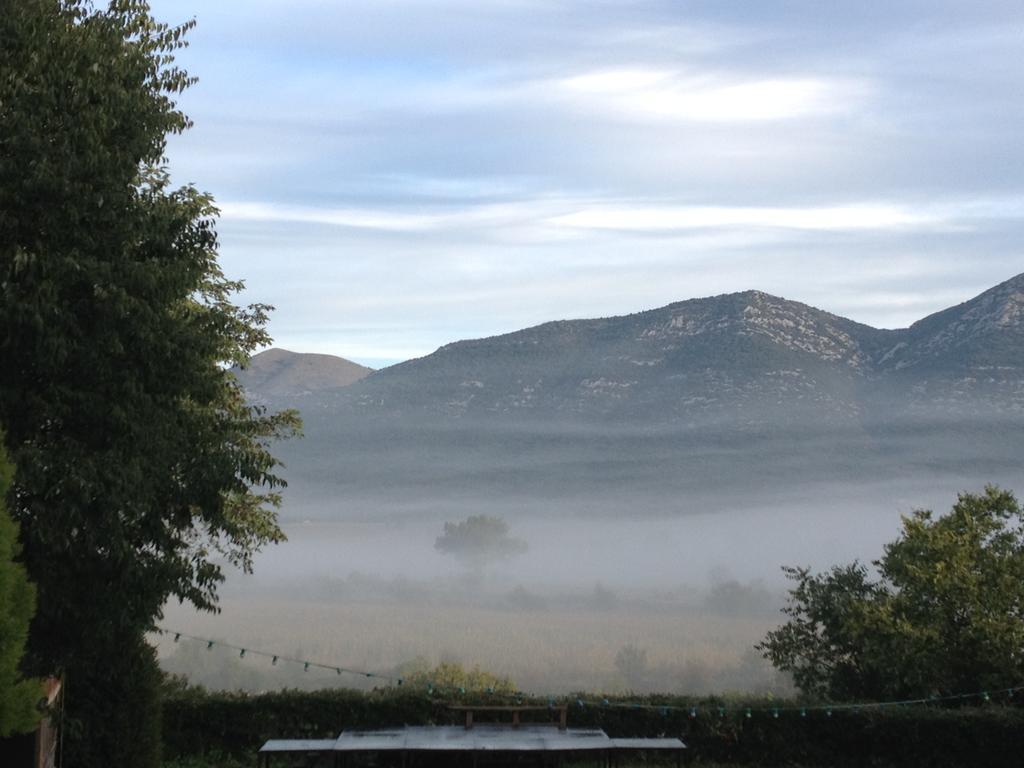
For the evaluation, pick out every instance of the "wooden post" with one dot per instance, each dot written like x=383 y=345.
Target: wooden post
x=515 y=718
x=469 y=719
x=563 y=716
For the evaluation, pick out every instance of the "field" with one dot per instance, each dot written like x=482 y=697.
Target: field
x=595 y=640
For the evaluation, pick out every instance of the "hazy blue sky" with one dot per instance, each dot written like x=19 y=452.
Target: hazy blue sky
x=395 y=175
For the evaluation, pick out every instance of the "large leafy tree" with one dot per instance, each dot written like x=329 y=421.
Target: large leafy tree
x=18 y=697
x=140 y=469
x=942 y=614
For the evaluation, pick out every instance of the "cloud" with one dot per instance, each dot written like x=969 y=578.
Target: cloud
x=641 y=93
x=538 y=220
x=844 y=217
x=425 y=219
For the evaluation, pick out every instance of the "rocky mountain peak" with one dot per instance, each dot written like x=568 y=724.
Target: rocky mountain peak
x=986 y=329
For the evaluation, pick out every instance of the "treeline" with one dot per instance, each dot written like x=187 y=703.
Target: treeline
x=225 y=728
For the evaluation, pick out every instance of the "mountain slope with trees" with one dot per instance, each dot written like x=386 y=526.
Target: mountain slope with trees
x=738 y=356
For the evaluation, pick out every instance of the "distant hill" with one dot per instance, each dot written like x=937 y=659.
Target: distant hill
x=737 y=396
x=279 y=373
x=737 y=357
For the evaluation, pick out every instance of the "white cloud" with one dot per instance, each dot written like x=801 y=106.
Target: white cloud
x=667 y=94
x=849 y=217
x=566 y=219
x=342 y=217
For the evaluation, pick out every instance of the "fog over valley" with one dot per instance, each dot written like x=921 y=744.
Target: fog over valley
x=655 y=471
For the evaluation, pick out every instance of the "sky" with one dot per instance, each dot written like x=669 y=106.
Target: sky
x=395 y=175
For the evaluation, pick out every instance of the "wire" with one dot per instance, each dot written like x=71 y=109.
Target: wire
x=276 y=657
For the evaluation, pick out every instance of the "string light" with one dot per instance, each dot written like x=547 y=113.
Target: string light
x=274 y=657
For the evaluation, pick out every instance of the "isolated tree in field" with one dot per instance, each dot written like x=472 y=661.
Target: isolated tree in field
x=478 y=541
x=139 y=465
x=945 y=614
x=18 y=697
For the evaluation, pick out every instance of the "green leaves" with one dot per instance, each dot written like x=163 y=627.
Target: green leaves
x=944 y=615
x=18 y=697
x=140 y=467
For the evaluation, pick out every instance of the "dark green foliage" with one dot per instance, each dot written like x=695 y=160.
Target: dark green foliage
x=944 y=614
x=128 y=692
x=139 y=466
x=18 y=697
x=234 y=725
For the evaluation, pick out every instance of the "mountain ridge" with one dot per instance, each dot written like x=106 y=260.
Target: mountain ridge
x=736 y=350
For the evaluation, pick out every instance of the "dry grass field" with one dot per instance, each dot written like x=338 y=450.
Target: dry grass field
x=591 y=641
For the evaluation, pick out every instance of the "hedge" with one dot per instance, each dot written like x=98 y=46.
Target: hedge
x=197 y=723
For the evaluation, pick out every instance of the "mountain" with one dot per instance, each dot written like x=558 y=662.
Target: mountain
x=277 y=373
x=735 y=396
x=969 y=357
x=739 y=357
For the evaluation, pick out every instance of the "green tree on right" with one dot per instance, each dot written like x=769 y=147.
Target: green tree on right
x=941 y=613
